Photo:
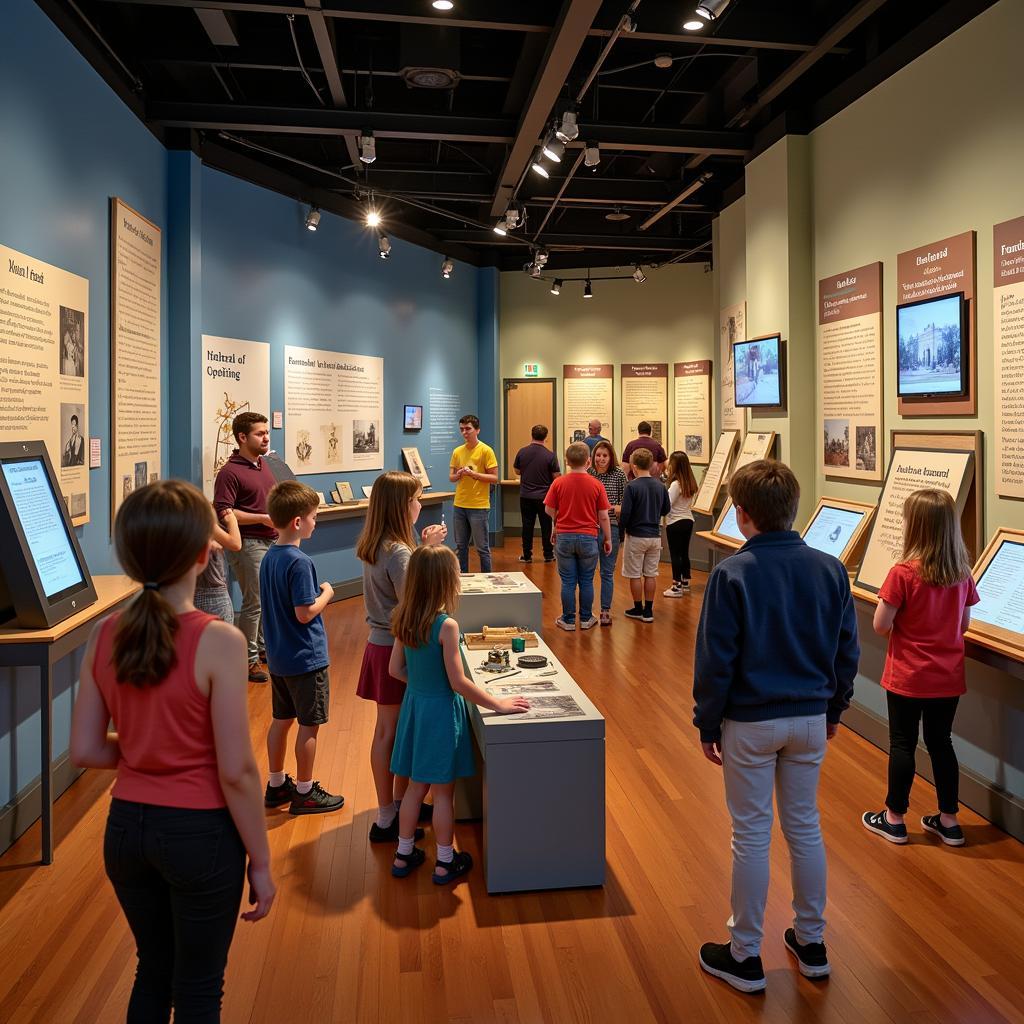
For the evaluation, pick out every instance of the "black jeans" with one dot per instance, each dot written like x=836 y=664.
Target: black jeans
x=532 y=509
x=178 y=875
x=678 y=534
x=905 y=714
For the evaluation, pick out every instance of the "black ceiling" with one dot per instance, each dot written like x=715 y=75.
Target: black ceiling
x=278 y=93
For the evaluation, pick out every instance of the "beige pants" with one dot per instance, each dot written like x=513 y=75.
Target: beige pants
x=640 y=557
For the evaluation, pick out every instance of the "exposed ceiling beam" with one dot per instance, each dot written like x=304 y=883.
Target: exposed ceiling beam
x=218 y=26
x=329 y=63
x=574 y=240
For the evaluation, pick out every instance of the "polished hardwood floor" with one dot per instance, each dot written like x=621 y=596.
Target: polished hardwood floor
x=918 y=934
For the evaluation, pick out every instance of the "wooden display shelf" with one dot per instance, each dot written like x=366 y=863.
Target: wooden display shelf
x=356 y=509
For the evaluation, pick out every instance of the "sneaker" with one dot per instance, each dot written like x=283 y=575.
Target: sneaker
x=606 y=617
x=563 y=623
x=549 y=558
x=389 y=834
x=526 y=559
x=747 y=976
x=878 y=823
x=952 y=836
x=647 y=616
x=262 y=655
x=275 y=796
x=686 y=586
x=634 y=613
x=810 y=958
x=256 y=674
x=589 y=623
x=316 y=801
x=676 y=590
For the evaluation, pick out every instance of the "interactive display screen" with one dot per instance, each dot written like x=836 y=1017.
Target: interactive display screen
x=413 y=418
x=1001 y=589
x=757 y=371
x=932 y=346
x=831 y=529
x=728 y=527
x=39 y=514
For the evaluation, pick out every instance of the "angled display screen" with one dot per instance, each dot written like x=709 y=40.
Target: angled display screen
x=728 y=527
x=832 y=529
x=1001 y=589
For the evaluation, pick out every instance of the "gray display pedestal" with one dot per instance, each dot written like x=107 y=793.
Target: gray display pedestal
x=490 y=604
x=543 y=786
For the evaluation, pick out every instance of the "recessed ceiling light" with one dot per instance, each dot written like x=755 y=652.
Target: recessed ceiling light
x=442 y=5
x=693 y=25
x=616 y=214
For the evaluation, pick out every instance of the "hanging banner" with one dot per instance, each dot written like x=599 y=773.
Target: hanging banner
x=732 y=322
x=1008 y=331
x=587 y=394
x=645 y=397
x=692 y=409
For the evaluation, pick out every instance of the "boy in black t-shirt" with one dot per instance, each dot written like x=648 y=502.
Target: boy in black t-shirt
x=644 y=503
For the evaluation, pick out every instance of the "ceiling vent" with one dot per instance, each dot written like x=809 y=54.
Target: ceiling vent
x=430 y=78
x=430 y=57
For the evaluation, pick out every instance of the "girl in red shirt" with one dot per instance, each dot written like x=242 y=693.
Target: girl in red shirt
x=924 y=609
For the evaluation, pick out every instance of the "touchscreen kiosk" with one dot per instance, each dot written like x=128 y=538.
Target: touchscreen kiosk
x=999 y=576
x=43 y=575
x=837 y=528
x=727 y=530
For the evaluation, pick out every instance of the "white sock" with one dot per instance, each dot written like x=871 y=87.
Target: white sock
x=386 y=815
x=277 y=779
x=405 y=846
x=304 y=787
x=445 y=853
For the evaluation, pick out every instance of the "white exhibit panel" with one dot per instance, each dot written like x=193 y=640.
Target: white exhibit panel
x=499 y=599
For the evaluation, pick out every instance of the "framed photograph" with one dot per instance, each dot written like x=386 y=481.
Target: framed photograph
x=839 y=528
x=415 y=466
x=344 y=489
x=933 y=357
x=999 y=576
x=412 y=417
x=759 y=373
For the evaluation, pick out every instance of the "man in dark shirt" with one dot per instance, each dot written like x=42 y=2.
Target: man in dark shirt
x=658 y=455
x=243 y=484
x=536 y=465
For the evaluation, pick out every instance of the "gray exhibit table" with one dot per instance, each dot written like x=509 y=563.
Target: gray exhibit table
x=543 y=780
x=499 y=599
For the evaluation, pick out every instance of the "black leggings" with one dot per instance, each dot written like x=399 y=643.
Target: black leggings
x=678 y=534
x=178 y=875
x=905 y=715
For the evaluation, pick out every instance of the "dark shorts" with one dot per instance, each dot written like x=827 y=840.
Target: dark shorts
x=376 y=683
x=305 y=697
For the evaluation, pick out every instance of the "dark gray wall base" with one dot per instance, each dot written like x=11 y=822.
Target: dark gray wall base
x=1001 y=808
x=24 y=811
x=346 y=589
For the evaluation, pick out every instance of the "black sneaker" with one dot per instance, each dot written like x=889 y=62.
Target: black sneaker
x=952 y=836
x=527 y=559
x=648 y=615
x=810 y=958
x=316 y=801
x=389 y=834
x=634 y=613
x=275 y=796
x=256 y=674
x=878 y=823
x=549 y=558
x=747 y=976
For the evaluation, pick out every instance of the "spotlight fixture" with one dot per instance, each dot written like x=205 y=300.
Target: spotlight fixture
x=372 y=218
x=664 y=60
x=500 y=228
x=312 y=219
x=540 y=257
x=568 y=129
x=556 y=286
x=533 y=269
x=588 y=292
x=442 y=5
x=693 y=25
x=711 y=10
x=553 y=150
x=591 y=155
x=538 y=166
x=638 y=275
x=616 y=215
x=384 y=247
x=512 y=217
x=446 y=268
x=367 y=147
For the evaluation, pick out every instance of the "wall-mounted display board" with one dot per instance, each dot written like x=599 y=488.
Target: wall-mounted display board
x=44 y=368
x=692 y=410
x=952 y=469
x=839 y=528
x=445 y=411
x=645 y=397
x=415 y=466
x=999 y=575
x=755 y=446
x=732 y=322
x=334 y=410
x=726 y=530
x=135 y=360
x=930 y=350
x=587 y=394
x=1008 y=335
x=236 y=379
x=850 y=372
x=759 y=373
x=707 y=494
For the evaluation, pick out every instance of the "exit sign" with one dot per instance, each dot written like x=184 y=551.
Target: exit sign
x=531 y=369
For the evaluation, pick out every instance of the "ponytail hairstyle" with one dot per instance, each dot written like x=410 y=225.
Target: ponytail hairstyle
x=387 y=517
x=680 y=472
x=431 y=585
x=159 y=534
x=932 y=538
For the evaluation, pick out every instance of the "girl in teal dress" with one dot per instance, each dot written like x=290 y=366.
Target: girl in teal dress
x=432 y=743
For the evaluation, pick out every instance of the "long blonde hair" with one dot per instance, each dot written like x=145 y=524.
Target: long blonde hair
x=387 y=517
x=680 y=471
x=932 y=538
x=431 y=585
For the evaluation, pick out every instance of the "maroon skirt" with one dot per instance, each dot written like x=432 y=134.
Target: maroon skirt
x=376 y=683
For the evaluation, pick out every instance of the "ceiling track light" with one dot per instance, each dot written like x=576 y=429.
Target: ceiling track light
x=446 y=268
x=556 y=286
x=312 y=219
x=711 y=10
x=367 y=147
x=442 y=5
x=538 y=166
x=568 y=129
x=540 y=257
x=638 y=275
x=693 y=25
x=588 y=291
x=553 y=149
x=384 y=247
x=372 y=218
x=533 y=269
x=591 y=155
x=501 y=228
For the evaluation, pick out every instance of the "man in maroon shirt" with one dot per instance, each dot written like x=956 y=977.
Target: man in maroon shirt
x=242 y=484
x=658 y=455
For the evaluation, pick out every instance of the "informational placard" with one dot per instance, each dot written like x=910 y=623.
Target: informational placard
x=850 y=372
x=692 y=410
x=415 y=466
x=1008 y=338
x=587 y=394
x=136 y=448
x=334 y=403
x=837 y=527
x=645 y=397
x=910 y=469
x=732 y=328
x=714 y=476
x=940 y=268
x=755 y=446
x=999 y=576
x=236 y=379
x=445 y=410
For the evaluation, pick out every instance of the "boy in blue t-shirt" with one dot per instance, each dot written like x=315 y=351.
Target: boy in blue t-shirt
x=292 y=601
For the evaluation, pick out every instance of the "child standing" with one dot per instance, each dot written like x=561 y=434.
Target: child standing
x=385 y=547
x=924 y=609
x=579 y=506
x=679 y=521
x=605 y=469
x=296 y=650
x=432 y=746
x=212 y=594
x=643 y=504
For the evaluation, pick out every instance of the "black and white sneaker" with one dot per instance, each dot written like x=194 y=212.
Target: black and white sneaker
x=634 y=613
x=810 y=958
x=275 y=796
x=878 y=823
x=526 y=559
x=746 y=976
x=316 y=801
x=952 y=836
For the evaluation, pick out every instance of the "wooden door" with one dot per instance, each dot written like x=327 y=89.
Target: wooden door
x=528 y=401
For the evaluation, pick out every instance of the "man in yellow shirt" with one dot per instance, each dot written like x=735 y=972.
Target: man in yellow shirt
x=474 y=468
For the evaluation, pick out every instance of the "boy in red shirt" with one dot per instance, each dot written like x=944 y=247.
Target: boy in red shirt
x=578 y=504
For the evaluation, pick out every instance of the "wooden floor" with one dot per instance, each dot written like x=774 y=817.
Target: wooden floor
x=920 y=933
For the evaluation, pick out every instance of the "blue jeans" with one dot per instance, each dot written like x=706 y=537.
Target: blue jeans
x=608 y=571
x=577 y=560
x=472 y=522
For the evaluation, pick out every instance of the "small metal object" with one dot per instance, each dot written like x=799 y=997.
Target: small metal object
x=531 y=661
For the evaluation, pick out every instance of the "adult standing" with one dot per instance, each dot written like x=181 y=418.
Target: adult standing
x=536 y=466
x=242 y=484
x=644 y=440
x=605 y=466
x=473 y=469
x=593 y=435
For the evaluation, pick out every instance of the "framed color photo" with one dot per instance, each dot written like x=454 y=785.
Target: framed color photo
x=415 y=465
x=412 y=417
x=344 y=489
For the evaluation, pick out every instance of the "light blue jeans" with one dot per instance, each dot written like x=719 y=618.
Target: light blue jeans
x=608 y=570
x=472 y=523
x=577 y=560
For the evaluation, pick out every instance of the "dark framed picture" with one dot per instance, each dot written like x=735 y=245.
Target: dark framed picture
x=412 y=419
x=933 y=357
